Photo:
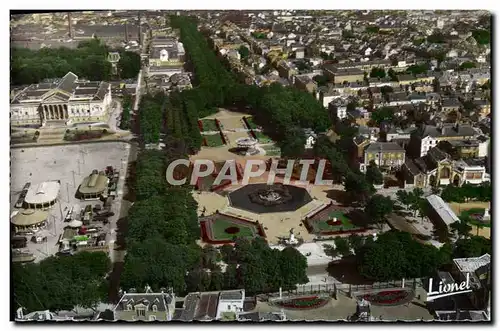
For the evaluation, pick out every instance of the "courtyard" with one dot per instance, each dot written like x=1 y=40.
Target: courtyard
x=335 y=220
x=223 y=229
x=69 y=164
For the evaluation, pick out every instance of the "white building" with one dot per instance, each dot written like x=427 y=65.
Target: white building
x=311 y=137
x=427 y=143
x=230 y=302
x=64 y=101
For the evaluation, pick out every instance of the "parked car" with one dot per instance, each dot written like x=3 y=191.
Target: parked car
x=105 y=214
x=19 y=242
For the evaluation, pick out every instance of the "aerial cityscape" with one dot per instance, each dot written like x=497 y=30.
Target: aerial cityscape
x=251 y=165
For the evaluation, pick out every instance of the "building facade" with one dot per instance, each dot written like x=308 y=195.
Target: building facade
x=62 y=101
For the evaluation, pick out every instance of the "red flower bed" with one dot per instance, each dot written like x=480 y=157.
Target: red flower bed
x=222 y=137
x=200 y=125
x=334 y=223
x=389 y=298
x=232 y=230
x=303 y=303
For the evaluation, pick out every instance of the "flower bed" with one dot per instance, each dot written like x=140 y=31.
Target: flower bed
x=303 y=303
x=200 y=125
x=214 y=140
x=208 y=125
x=85 y=135
x=390 y=298
x=249 y=123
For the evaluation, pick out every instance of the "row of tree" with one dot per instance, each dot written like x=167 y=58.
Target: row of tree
x=126 y=112
x=88 y=60
x=62 y=282
x=467 y=192
x=151 y=117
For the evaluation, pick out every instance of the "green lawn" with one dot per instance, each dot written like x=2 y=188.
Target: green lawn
x=473 y=221
x=209 y=125
x=346 y=223
x=213 y=140
x=220 y=225
x=251 y=123
x=263 y=139
x=272 y=150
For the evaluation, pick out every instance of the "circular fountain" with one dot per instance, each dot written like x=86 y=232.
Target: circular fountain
x=271 y=195
x=247 y=145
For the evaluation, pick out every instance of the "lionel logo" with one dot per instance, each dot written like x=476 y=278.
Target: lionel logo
x=446 y=290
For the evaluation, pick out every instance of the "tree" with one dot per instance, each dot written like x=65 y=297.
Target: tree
x=403 y=198
x=377 y=73
x=330 y=251
x=355 y=242
x=293 y=144
x=357 y=187
x=474 y=246
x=378 y=207
x=467 y=65
x=342 y=246
x=373 y=174
x=462 y=228
x=244 y=52
x=395 y=255
x=58 y=283
x=321 y=80
x=382 y=114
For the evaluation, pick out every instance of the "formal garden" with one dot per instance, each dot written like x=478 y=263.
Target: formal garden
x=223 y=229
x=302 y=303
x=332 y=220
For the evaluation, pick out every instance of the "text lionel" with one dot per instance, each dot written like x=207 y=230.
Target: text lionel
x=446 y=290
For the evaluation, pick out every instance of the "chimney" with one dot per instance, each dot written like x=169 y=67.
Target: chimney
x=70 y=26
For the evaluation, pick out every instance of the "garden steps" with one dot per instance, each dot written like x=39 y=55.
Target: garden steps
x=311 y=208
x=230 y=211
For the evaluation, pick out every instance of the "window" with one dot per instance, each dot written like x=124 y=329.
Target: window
x=228 y=307
x=129 y=307
x=155 y=308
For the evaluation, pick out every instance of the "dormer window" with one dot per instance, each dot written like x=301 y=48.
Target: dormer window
x=155 y=308
x=129 y=307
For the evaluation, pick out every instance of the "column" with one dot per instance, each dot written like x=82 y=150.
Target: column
x=66 y=111
x=51 y=112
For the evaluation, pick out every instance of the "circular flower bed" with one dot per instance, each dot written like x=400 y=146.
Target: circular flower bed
x=334 y=223
x=232 y=230
x=303 y=303
x=389 y=298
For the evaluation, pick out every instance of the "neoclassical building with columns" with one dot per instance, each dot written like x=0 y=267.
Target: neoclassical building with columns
x=63 y=101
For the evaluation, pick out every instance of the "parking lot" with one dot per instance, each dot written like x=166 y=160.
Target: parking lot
x=69 y=164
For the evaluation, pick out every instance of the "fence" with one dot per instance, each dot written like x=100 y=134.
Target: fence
x=347 y=289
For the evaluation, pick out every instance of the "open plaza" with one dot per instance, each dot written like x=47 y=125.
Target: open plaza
x=71 y=167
